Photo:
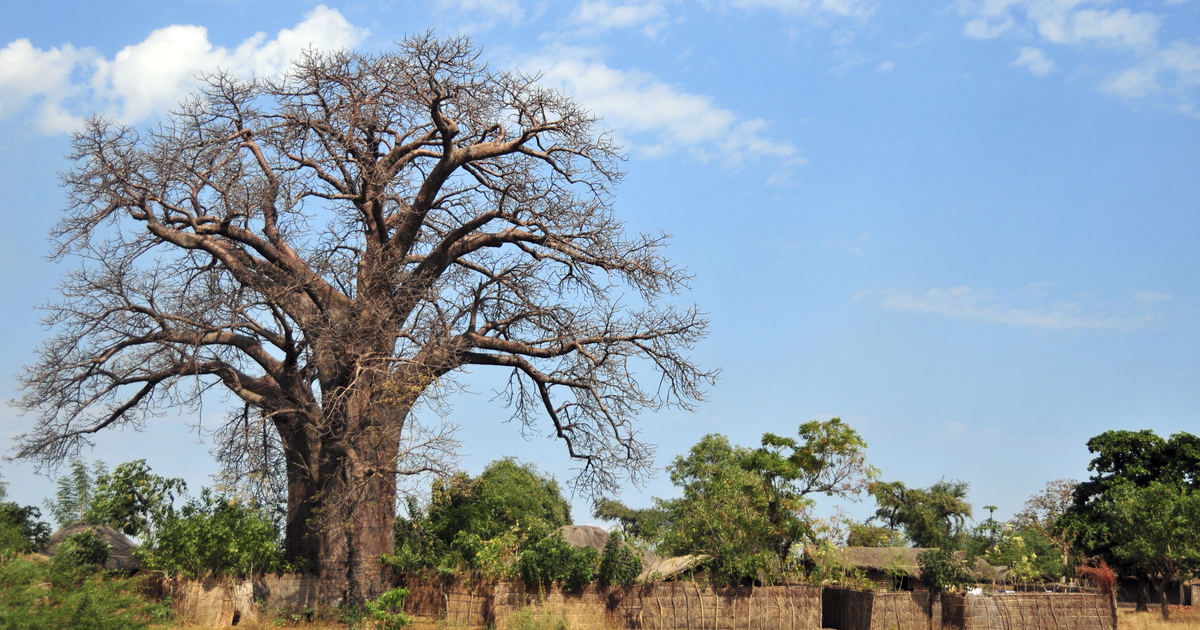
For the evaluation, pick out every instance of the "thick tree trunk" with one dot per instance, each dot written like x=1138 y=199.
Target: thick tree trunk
x=1143 y=594
x=341 y=506
x=1160 y=589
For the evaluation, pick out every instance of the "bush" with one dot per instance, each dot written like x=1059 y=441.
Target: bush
x=31 y=600
x=941 y=570
x=215 y=535
x=552 y=560
x=620 y=564
x=21 y=531
x=381 y=609
x=78 y=556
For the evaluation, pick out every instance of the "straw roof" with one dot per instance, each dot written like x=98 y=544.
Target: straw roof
x=121 y=557
x=585 y=536
x=652 y=565
x=905 y=558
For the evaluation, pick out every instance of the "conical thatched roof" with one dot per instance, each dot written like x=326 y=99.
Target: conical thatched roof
x=121 y=557
x=585 y=536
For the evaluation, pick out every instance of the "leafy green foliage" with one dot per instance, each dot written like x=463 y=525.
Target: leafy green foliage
x=749 y=508
x=1154 y=531
x=1028 y=554
x=620 y=564
x=388 y=610
x=73 y=497
x=865 y=535
x=480 y=523
x=643 y=523
x=20 y=530
x=942 y=571
x=132 y=499
x=723 y=512
x=78 y=556
x=553 y=560
x=931 y=517
x=828 y=458
x=214 y=535
x=31 y=599
x=1124 y=458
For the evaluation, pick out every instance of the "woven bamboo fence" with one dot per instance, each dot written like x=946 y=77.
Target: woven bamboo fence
x=1029 y=611
x=662 y=606
x=851 y=609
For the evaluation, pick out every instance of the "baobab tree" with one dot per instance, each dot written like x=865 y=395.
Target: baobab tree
x=337 y=245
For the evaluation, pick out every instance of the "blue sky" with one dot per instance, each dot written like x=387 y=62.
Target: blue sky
x=967 y=228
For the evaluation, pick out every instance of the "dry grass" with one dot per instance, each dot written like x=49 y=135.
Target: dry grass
x=1182 y=618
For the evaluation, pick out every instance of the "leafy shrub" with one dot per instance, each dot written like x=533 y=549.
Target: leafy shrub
x=494 y=514
x=620 y=564
x=95 y=603
x=552 y=560
x=78 y=556
x=21 y=531
x=215 y=535
x=941 y=570
x=381 y=609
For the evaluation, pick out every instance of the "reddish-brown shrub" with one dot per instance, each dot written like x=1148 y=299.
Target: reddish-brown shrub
x=1101 y=575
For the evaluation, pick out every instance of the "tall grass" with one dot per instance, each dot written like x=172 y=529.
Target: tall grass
x=1181 y=619
x=536 y=619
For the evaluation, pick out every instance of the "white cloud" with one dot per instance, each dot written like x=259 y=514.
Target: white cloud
x=886 y=67
x=1151 y=296
x=508 y=10
x=1017 y=310
x=1060 y=21
x=840 y=8
x=1145 y=67
x=154 y=75
x=601 y=15
x=1034 y=60
x=28 y=73
x=1133 y=83
x=657 y=118
x=982 y=28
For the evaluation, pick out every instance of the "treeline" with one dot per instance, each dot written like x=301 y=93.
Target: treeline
x=749 y=510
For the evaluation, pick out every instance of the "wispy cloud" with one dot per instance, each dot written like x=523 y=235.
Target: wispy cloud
x=1025 y=309
x=602 y=15
x=1146 y=66
x=656 y=118
x=145 y=79
x=488 y=12
x=860 y=9
x=1034 y=60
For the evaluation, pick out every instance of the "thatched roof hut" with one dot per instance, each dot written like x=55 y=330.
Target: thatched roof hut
x=121 y=557
x=878 y=562
x=652 y=565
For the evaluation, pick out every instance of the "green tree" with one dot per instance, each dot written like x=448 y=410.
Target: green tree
x=73 y=497
x=931 y=517
x=620 y=564
x=1125 y=458
x=1042 y=512
x=20 y=530
x=828 y=458
x=722 y=513
x=508 y=500
x=214 y=535
x=1154 y=533
x=645 y=524
x=133 y=499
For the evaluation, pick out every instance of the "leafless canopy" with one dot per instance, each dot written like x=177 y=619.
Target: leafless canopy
x=333 y=246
